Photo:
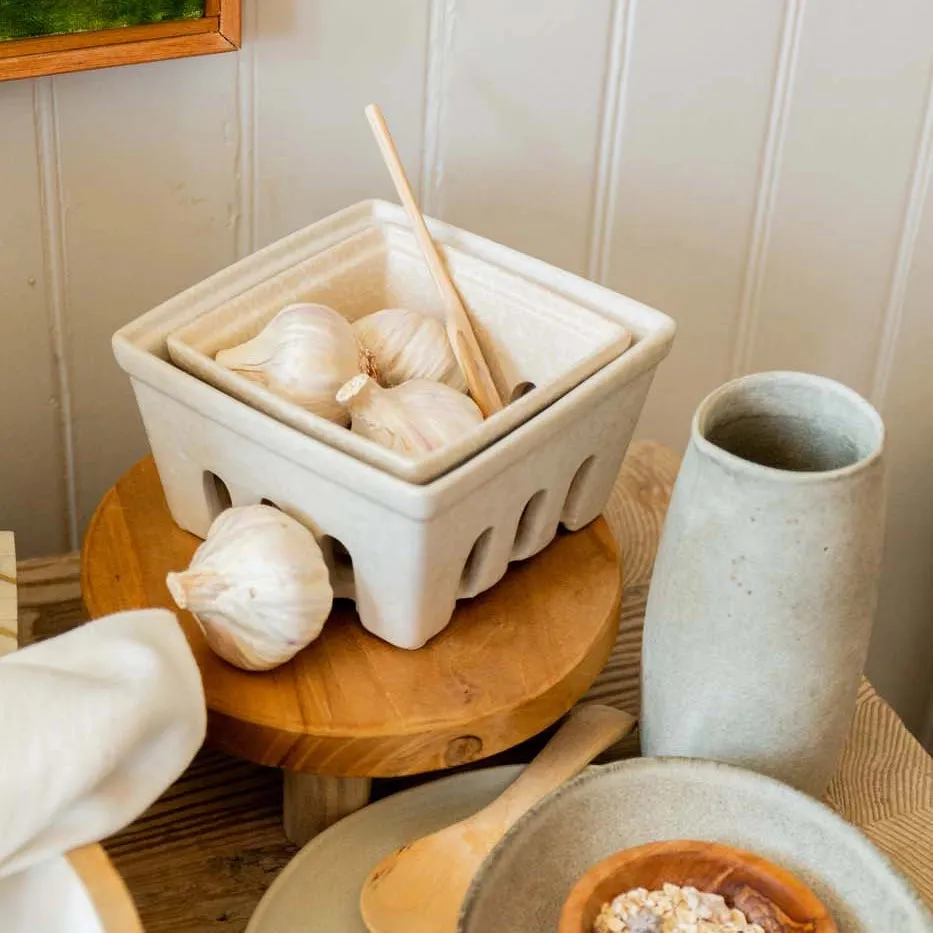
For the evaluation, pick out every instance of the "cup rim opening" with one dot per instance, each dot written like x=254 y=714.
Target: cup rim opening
x=706 y=410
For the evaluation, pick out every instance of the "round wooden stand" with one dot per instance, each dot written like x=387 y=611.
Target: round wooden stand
x=351 y=707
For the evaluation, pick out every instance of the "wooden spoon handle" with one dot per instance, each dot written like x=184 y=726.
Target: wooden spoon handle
x=587 y=731
x=459 y=330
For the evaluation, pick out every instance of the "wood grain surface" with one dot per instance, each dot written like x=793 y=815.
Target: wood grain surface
x=512 y=661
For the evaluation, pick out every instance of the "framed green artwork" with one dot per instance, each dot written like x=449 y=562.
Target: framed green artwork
x=41 y=37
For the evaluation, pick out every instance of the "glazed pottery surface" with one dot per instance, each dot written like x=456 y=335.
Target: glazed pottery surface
x=522 y=886
x=764 y=590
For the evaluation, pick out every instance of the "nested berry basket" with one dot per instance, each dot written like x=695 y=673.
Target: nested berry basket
x=404 y=538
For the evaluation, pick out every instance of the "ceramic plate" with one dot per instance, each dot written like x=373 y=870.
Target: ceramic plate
x=318 y=891
x=523 y=884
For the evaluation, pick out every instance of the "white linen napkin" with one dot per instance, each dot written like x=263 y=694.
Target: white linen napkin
x=47 y=898
x=94 y=725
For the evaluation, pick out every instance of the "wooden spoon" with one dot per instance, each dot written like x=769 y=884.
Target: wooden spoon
x=459 y=331
x=419 y=888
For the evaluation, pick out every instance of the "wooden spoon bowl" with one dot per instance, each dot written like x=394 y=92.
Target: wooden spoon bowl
x=768 y=895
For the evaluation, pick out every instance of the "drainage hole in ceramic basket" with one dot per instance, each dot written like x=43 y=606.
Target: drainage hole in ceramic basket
x=521 y=388
x=475 y=560
x=578 y=488
x=279 y=508
x=339 y=562
x=216 y=493
x=527 y=524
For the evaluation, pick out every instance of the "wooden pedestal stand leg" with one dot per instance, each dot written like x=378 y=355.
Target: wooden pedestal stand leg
x=313 y=802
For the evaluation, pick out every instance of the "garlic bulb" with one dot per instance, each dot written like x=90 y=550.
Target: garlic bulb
x=305 y=354
x=409 y=345
x=412 y=418
x=258 y=587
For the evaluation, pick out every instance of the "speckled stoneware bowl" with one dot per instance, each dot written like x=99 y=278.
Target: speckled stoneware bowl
x=523 y=884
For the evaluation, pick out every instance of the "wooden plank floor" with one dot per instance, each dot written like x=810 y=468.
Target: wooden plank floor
x=201 y=857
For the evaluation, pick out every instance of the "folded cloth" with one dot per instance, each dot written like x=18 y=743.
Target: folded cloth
x=94 y=725
x=50 y=898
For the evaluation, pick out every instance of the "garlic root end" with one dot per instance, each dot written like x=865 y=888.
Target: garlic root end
x=195 y=589
x=350 y=391
x=176 y=586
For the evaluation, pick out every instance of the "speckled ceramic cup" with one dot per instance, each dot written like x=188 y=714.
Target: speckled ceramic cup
x=764 y=590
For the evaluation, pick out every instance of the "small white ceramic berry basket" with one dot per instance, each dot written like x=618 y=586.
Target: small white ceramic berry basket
x=405 y=549
x=530 y=336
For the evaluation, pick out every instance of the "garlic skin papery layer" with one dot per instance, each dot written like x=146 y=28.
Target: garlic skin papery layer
x=409 y=345
x=258 y=587
x=305 y=354
x=413 y=418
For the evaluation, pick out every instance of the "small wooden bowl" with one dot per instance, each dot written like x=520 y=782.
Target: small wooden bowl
x=105 y=887
x=767 y=894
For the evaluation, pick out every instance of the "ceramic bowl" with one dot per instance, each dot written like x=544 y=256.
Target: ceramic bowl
x=766 y=893
x=524 y=883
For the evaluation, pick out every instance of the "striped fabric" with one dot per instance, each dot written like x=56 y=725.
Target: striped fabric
x=884 y=784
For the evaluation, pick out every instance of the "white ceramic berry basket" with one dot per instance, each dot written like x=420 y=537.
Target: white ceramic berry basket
x=531 y=336
x=405 y=552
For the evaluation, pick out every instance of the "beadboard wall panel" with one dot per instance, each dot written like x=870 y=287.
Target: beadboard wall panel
x=854 y=122
x=32 y=469
x=901 y=659
x=689 y=146
x=316 y=65
x=521 y=88
x=150 y=206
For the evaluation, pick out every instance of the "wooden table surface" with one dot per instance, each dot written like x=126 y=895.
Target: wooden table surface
x=201 y=857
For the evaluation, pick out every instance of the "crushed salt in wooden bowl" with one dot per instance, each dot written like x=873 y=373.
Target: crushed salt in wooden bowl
x=768 y=895
x=524 y=884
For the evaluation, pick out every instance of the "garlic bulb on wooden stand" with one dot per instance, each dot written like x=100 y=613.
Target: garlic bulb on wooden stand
x=305 y=354
x=409 y=345
x=413 y=418
x=258 y=587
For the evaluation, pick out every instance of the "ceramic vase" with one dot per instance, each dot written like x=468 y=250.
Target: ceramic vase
x=764 y=589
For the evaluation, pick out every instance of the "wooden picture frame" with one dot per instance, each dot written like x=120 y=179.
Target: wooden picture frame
x=217 y=31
